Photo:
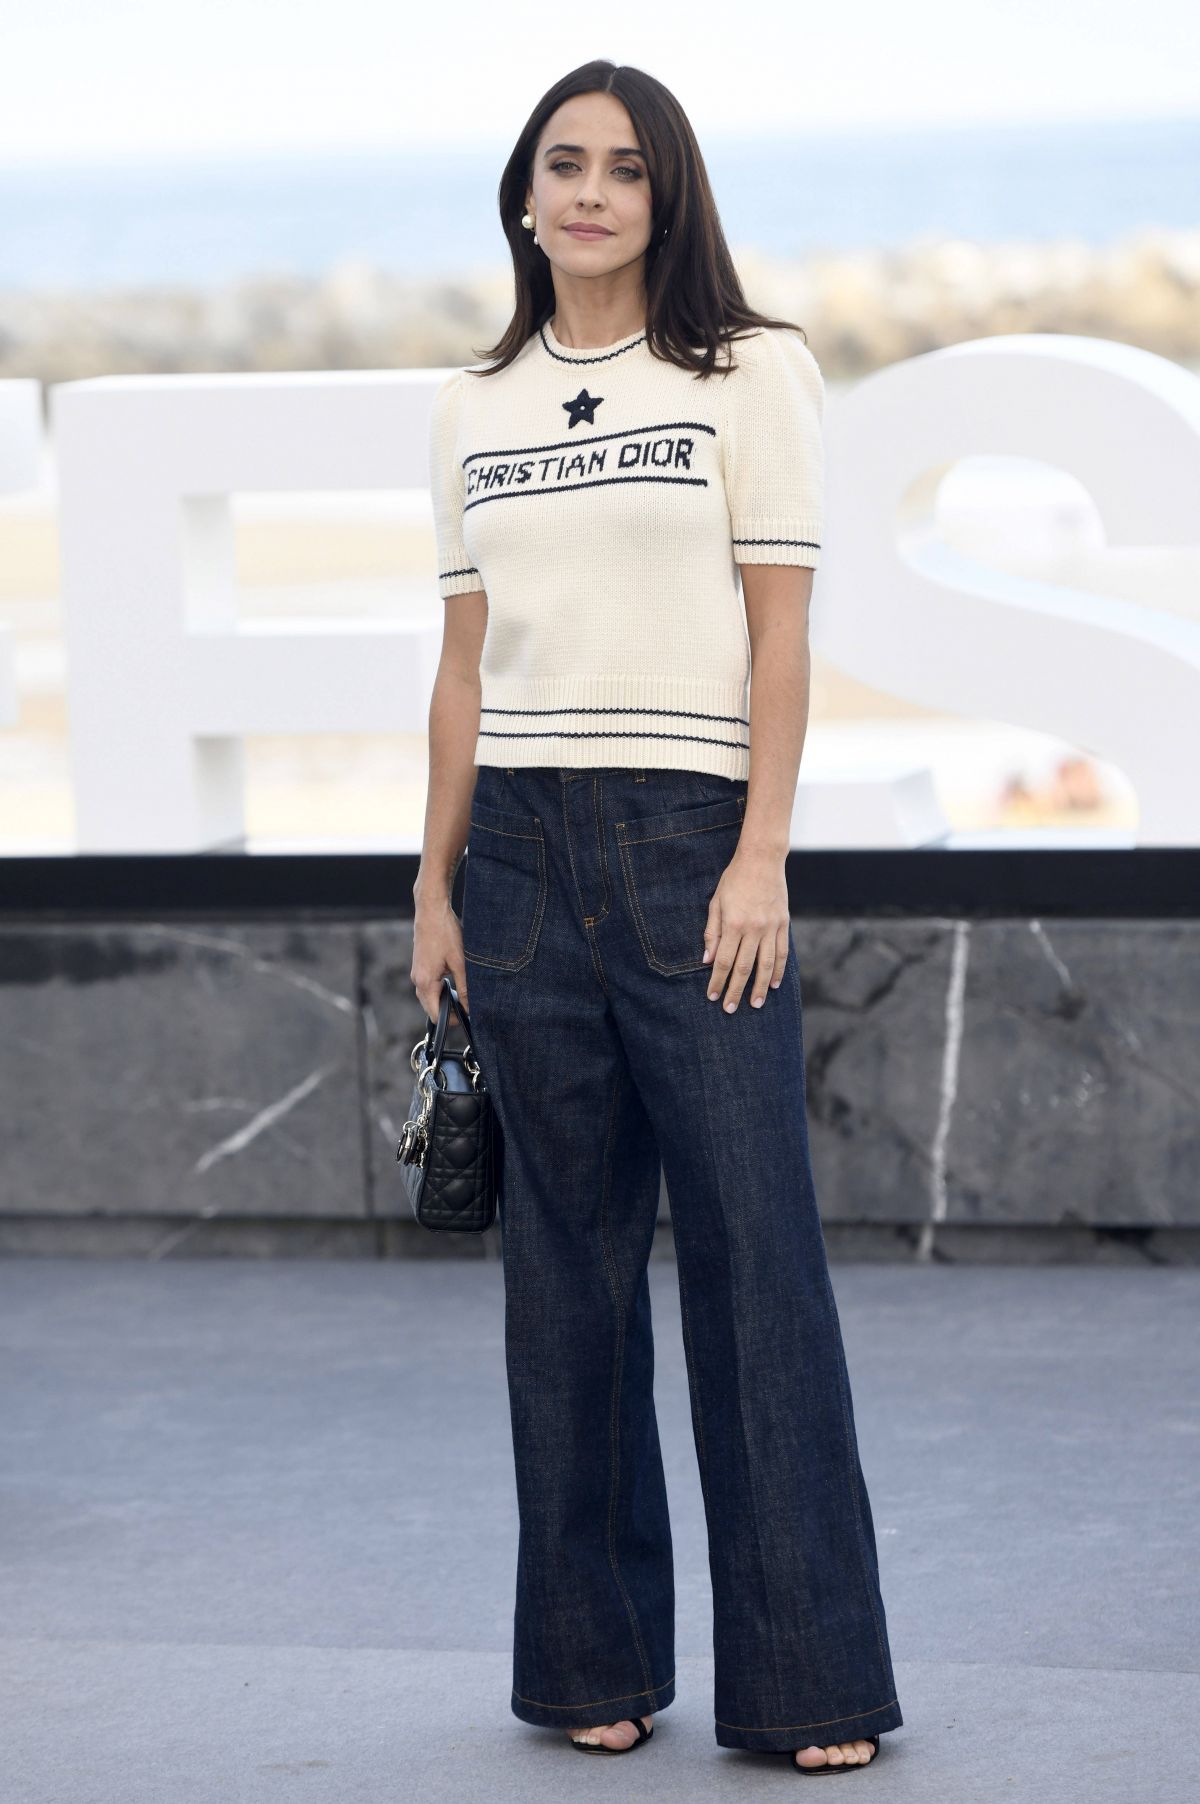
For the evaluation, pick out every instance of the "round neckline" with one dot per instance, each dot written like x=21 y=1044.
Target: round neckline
x=594 y=353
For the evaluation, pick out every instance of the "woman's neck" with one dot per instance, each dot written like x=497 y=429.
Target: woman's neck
x=595 y=332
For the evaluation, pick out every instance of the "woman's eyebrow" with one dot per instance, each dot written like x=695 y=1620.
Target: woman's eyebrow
x=628 y=150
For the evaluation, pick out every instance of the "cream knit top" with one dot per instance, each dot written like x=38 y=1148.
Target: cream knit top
x=604 y=500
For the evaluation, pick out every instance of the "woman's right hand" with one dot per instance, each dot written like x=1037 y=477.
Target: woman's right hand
x=437 y=949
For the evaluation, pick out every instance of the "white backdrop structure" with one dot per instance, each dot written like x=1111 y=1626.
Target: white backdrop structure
x=902 y=610
x=165 y=679
x=20 y=468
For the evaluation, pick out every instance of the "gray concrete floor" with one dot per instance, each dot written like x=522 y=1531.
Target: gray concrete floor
x=258 y=1532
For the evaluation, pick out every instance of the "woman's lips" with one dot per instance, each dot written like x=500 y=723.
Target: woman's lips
x=588 y=231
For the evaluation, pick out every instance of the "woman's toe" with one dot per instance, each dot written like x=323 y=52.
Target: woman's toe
x=619 y=1735
x=815 y=1756
x=609 y=1735
x=845 y=1753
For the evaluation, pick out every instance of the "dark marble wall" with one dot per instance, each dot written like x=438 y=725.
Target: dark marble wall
x=200 y=1087
x=1004 y=1071
x=181 y=1070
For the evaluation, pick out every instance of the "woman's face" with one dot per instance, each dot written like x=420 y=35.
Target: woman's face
x=588 y=169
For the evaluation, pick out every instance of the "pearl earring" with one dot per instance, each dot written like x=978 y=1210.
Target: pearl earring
x=527 y=222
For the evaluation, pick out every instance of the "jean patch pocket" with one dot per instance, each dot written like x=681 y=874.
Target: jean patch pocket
x=504 y=887
x=672 y=863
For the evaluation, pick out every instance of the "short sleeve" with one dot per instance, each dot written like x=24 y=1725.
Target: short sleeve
x=774 y=458
x=456 y=573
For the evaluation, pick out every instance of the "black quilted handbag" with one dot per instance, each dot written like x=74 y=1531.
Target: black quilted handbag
x=449 y=1147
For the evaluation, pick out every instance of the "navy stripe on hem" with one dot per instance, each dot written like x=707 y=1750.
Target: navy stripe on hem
x=730 y=745
x=810 y=544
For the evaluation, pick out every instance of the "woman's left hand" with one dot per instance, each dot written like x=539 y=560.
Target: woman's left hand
x=748 y=926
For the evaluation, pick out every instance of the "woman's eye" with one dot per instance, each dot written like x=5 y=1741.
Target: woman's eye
x=622 y=169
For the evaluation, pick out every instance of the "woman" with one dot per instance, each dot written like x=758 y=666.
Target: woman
x=625 y=794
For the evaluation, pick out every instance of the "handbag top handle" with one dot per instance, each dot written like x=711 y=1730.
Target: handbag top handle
x=449 y=995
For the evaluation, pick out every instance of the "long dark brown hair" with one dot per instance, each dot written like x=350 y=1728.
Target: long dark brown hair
x=694 y=298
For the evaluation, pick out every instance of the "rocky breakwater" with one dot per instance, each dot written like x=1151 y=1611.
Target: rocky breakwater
x=860 y=310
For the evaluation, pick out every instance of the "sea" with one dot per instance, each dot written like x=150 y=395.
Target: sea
x=431 y=213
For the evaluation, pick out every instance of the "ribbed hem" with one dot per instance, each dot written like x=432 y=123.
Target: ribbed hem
x=763 y=540
x=460 y=575
x=778 y=1738
x=651 y=722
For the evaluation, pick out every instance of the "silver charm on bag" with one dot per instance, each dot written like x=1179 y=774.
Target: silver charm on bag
x=413 y=1148
x=414 y=1136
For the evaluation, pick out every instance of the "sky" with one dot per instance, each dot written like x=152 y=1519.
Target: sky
x=168 y=79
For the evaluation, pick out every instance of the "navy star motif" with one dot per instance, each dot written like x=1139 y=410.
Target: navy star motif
x=583 y=407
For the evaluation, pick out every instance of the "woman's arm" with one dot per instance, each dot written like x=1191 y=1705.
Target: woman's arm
x=748 y=917
x=453 y=731
x=777 y=598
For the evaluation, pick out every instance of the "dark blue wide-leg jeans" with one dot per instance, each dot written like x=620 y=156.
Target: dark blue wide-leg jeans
x=584 y=904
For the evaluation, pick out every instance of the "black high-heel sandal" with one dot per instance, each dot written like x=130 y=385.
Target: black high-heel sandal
x=598 y=1747
x=853 y=1767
